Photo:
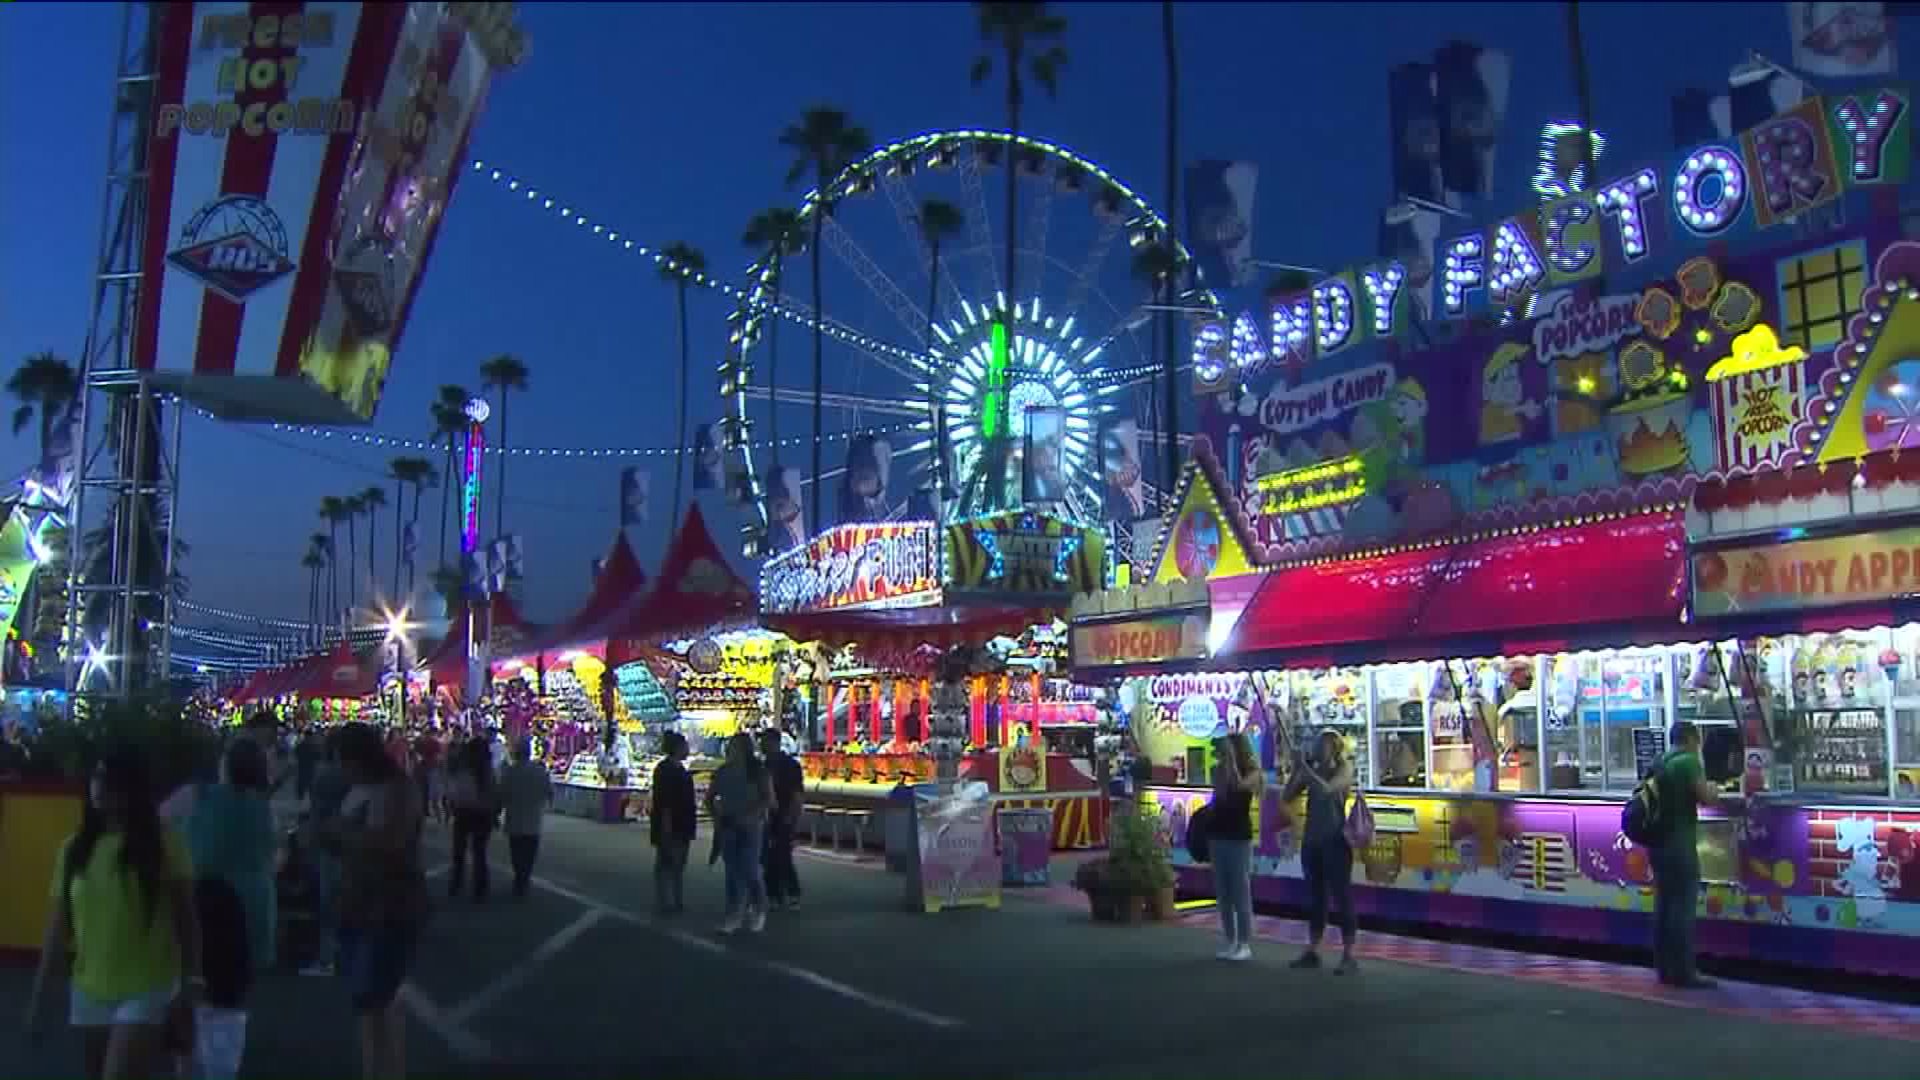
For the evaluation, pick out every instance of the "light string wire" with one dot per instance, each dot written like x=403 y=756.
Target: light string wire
x=567 y=212
x=395 y=442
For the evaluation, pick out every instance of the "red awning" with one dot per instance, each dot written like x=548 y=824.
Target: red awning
x=697 y=590
x=621 y=583
x=338 y=674
x=448 y=661
x=1607 y=583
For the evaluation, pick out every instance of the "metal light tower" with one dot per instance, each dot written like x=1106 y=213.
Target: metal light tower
x=471 y=557
x=119 y=614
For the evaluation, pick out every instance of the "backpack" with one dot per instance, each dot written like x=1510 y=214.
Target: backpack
x=1644 y=820
x=1198 y=827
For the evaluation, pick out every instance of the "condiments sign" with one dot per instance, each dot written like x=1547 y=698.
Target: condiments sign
x=1807 y=573
x=855 y=566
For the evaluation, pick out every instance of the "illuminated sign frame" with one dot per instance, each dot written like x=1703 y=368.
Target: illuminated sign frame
x=856 y=567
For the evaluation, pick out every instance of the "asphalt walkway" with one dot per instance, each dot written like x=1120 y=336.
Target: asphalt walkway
x=579 y=980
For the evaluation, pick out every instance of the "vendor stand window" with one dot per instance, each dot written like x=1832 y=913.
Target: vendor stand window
x=1595 y=704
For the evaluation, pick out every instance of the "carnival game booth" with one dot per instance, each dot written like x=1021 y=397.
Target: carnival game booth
x=697 y=593
x=880 y=603
x=501 y=631
x=1502 y=564
x=331 y=687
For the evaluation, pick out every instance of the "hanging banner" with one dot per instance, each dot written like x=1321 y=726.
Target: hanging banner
x=863 y=488
x=1043 y=476
x=706 y=459
x=1841 y=41
x=855 y=566
x=1220 y=220
x=301 y=157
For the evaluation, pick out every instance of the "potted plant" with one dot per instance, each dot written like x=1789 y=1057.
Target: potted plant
x=1095 y=878
x=1141 y=861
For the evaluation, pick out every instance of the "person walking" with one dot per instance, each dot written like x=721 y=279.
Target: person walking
x=230 y=837
x=1236 y=776
x=526 y=789
x=122 y=895
x=1326 y=858
x=738 y=800
x=476 y=807
x=1683 y=789
x=783 y=820
x=383 y=895
x=306 y=763
x=330 y=787
x=670 y=822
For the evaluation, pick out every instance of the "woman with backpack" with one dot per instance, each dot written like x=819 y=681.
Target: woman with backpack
x=1229 y=829
x=738 y=799
x=1326 y=856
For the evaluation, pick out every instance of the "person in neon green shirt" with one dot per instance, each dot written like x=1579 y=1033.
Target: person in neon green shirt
x=122 y=893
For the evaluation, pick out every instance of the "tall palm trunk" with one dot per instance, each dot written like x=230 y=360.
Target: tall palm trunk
x=819 y=345
x=333 y=568
x=500 y=511
x=1170 y=326
x=933 y=386
x=353 y=563
x=680 y=443
x=773 y=382
x=373 y=548
x=448 y=483
x=399 y=530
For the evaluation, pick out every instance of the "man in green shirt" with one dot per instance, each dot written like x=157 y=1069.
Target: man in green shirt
x=1684 y=788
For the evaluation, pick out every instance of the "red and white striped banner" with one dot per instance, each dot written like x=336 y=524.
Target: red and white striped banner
x=1754 y=415
x=302 y=155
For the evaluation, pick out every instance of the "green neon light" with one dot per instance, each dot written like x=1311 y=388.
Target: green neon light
x=993 y=412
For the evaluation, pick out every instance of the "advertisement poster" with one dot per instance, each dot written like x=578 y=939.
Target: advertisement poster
x=300 y=166
x=958 y=866
x=1807 y=573
x=1023 y=764
x=1026 y=845
x=1043 y=476
x=854 y=566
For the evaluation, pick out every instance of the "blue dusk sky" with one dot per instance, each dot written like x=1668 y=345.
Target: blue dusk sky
x=661 y=119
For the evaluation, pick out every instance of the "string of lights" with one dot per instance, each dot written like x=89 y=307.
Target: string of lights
x=240 y=616
x=395 y=442
x=567 y=212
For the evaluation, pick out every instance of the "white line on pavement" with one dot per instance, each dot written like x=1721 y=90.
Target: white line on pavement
x=854 y=993
x=506 y=984
x=465 y=1044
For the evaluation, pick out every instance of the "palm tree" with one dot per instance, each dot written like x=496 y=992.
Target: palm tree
x=1023 y=34
x=419 y=473
x=776 y=234
x=371 y=500
x=938 y=221
x=1158 y=265
x=449 y=411
x=334 y=511
x=313 y=561
x=354 y=508
x=45 y=384
x=824 y=142
x=1169 y=325
x=318 y=544
x=506 y=374
x=682 y=262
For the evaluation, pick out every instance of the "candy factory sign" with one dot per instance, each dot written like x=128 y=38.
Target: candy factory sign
x=1864 y=567
x=855 y=566
x=1799 y=160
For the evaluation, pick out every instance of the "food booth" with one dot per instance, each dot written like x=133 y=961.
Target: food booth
x=878 y=604
x=1502 y=563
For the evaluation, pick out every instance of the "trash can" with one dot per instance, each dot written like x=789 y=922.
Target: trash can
x=897 y=829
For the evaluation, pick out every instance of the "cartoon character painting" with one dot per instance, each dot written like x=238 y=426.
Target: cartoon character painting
x=1506 y=411
x=1865 y=877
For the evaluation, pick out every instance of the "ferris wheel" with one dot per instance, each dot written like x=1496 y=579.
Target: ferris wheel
x=953 y=376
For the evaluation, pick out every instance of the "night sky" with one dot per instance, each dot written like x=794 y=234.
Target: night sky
x=661 y=120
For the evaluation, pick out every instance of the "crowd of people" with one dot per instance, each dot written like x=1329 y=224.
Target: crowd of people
x=166 y=907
